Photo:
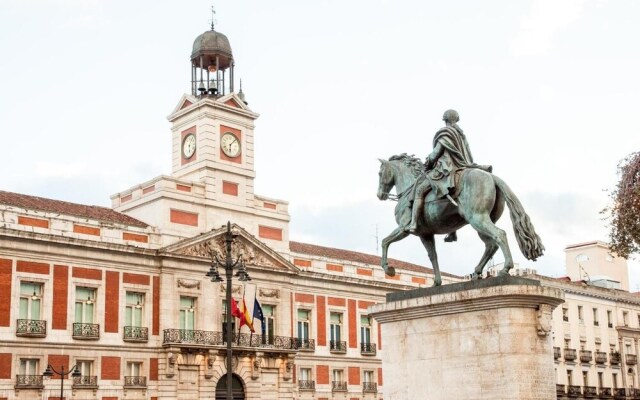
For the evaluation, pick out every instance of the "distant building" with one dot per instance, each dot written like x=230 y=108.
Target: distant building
x=121 y=293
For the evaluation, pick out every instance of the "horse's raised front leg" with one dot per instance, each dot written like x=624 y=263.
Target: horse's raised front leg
x=429 y=243
x=490 y=248
x=397 y=234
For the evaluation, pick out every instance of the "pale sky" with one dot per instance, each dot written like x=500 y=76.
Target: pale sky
x=548 y=93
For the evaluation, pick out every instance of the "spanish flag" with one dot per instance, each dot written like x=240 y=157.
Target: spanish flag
x=246 y=318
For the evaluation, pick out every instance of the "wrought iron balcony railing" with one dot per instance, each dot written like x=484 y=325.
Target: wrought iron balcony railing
x=604 y=393
x=29 y=382
x=614 y=358
x=556 y=353
x=85 y=381
x=589 y=392
x=369 y=387
x=601 y=357
x=306 y=385
x=210 y=338
x=631 y=359
x=560 y=389
x=619 y=393
x=368 y=349
x=306 y=344
x=138 y=381
x=338 y=347
x=570 y=354
x=338 y=386
x=573 y=391
x=586 y=356
x=136 y=334
x=86 y=331
x=31 y=328
x=634 y=393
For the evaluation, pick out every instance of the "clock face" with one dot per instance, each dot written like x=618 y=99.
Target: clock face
x=189 y=145
x=230 y=145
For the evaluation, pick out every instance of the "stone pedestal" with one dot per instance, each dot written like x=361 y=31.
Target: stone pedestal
x=487 y=339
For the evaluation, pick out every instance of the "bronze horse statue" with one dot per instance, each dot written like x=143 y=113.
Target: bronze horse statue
x=480 y=198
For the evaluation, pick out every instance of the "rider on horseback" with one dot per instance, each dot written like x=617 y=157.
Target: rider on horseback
x=450 y=154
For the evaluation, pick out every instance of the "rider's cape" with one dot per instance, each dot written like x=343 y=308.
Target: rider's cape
x=456 y=156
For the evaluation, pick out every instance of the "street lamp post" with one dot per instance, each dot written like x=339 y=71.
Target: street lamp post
x=229 y=264
x=50 y=371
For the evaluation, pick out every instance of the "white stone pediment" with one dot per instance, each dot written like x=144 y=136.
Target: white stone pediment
x=253 y=251
x=185 y=101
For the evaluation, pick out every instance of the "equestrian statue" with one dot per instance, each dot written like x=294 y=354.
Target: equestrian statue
x=447 y=192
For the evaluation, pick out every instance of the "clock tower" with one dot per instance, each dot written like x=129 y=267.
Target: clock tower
x=212 y=174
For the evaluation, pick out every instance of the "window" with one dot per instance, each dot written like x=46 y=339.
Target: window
x=86 y=371
x=187 y=313
x=30 y=300
x=85 y=301
x=627 y=348
x=569 y=378
x=595 y=317
x=303 y=325
x=134 y=368
x=585 y=378
x=336 y=327
x=565 y=314
x=365 y=329
x=28 y=366
x=224 y=321
x=625 y=318
x=614 y=378
x=338 y=375
x=305 y=374
x=580 y=314
x=85 y=367
x=567 y=343
x=269 y=322
x=368 y=377
x=133 y=311
x=609 y=319
x=600 y=379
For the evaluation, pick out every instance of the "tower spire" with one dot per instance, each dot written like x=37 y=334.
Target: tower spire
x=213 y=19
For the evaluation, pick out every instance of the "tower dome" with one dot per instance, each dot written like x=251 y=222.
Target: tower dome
x=211 y=58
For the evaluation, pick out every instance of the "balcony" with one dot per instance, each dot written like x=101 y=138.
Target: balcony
x=634 y=393
x=369 y=387
x=589 y=392
x=560 y=390
x=569 y=354
x=85 y=382
x=604 y=393
x=306 y=345
x=614 y=358
x=195 y=339
x=556 y=353
x=573 y=391
x=135 y=334
x=338 y=386
x=631 y=359
x=306 y=385
x=338 y=347
x=135 y=381
x=601 y=357
x=619 y=393
x=586 y=356
x=86 y=331
x=29 y=382
x=31 y=328
x=368 y=349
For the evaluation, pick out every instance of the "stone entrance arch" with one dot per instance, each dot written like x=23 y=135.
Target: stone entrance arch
x=237 y=388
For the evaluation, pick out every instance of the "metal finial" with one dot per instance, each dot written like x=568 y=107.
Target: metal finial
x=213 y=20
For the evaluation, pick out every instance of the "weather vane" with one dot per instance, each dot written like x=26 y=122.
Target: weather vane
x=213 y=14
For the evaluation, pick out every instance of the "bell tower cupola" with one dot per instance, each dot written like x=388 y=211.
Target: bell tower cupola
x=211 y=64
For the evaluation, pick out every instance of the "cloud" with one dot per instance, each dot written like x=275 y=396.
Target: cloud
x=540 y=26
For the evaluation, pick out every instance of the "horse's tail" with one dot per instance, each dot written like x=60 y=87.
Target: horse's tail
x=528 y=240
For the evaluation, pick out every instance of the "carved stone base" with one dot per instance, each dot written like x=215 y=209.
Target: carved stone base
x=478 y=340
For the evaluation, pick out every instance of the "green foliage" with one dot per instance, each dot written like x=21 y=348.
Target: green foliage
x=624 y=214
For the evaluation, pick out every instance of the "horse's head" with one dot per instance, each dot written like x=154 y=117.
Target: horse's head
x=385 y=179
